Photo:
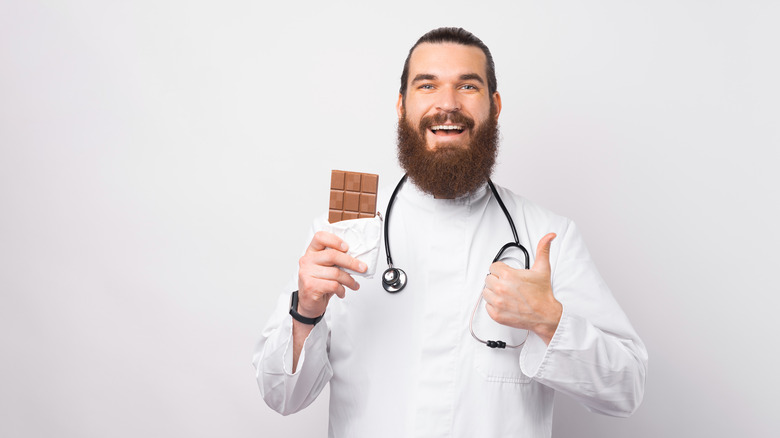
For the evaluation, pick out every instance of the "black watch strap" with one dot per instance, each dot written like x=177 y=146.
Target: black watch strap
x=297 y=316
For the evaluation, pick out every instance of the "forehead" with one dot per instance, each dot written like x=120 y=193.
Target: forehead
x=445 y=59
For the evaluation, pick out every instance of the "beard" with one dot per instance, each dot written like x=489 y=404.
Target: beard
x=452 y=171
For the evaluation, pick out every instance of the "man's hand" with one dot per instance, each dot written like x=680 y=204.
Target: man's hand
x=319 y=276
x=523 y=298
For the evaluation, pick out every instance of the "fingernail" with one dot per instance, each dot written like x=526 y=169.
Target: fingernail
x=343 y=246
x=362 y=266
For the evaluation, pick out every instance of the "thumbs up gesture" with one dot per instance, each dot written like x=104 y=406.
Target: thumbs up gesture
x=523 y=298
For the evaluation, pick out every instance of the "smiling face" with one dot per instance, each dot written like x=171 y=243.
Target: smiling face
x=447 y=127
x=447 y=94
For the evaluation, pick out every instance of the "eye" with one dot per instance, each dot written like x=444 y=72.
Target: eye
x=426 y=87
x=469 y=87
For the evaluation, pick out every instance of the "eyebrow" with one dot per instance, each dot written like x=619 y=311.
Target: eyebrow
x=423 y=77
x=463 y=77
x=472 y=77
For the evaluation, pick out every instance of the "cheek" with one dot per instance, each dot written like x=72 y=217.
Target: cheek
x=412 y=114
x=481 y=112
x=417 y=106
x=413 y=119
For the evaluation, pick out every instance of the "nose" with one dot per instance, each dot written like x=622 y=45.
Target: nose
x=448 y=101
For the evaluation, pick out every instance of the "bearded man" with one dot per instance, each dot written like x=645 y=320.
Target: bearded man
x=415 y=363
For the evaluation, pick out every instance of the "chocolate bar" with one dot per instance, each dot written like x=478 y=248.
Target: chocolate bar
x=352 y=195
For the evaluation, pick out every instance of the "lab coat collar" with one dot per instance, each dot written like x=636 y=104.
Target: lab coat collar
x=478 y=194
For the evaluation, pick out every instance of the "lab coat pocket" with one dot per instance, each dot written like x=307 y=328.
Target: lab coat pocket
x=501 y=365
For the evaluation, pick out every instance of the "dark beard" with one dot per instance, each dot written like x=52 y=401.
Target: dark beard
x=448 y=172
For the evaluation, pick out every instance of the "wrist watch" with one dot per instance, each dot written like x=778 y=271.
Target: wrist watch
x=297 y=316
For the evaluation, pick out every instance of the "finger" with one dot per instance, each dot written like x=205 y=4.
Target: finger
x=348 y=281
x=492 y=311
x=542 y=261
x=491 y=282
x=330 y=257
x=489 y=295
x=333 y=274
x=324 y=239
x=341 y=292
x=315 y=290
x=498 y=268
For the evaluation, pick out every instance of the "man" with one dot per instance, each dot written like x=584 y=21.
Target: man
x=406 y=364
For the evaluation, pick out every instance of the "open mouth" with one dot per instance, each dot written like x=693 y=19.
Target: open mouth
x=447 y=129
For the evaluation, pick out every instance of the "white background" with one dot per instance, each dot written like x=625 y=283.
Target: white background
x=161 y=161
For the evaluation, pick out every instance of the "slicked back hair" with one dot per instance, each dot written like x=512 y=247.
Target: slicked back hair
x=455 y=35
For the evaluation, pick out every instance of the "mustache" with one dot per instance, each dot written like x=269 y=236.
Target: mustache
x=439 y=118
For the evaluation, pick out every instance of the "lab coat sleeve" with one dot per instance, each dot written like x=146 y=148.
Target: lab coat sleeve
x=595 y=355
x=284 y=391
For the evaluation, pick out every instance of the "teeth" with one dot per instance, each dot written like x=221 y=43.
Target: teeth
x=446 y=128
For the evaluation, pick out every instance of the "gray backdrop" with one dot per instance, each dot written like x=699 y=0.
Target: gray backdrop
x=161 y=161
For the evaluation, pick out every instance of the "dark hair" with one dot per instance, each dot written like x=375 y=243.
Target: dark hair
x=455 y=35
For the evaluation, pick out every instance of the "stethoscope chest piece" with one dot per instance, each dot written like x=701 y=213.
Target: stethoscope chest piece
x=393 y=280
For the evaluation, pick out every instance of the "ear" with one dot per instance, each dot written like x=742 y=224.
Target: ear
x=497 y=101
x=399 y=106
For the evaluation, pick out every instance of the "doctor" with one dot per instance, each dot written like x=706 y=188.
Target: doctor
x=405 y=364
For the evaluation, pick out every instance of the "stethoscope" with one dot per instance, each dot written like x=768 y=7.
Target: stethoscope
x=394 y=279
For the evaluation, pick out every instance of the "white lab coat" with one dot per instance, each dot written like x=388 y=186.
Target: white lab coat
x=405 y=364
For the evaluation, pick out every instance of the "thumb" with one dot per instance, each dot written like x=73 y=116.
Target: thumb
x=542 y=261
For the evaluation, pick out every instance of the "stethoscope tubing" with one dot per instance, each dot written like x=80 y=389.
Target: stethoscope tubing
x=387 y=219
x=394 y=279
